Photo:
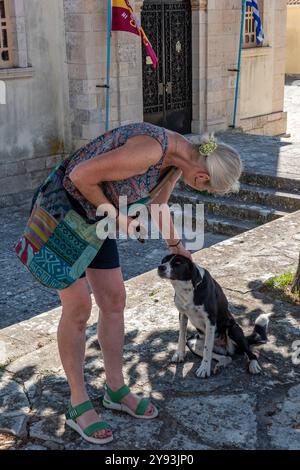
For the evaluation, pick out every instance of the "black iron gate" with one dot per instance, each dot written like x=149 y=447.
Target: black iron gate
x=168 y=89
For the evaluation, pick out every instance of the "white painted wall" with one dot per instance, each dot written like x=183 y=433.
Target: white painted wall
x=256 y=82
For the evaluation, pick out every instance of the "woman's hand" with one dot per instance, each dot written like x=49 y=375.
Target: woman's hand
x=180 y=250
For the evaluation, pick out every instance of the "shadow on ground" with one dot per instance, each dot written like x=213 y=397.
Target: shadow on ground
x=228 y=411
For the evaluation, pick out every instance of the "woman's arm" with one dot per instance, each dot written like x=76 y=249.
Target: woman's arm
x=166 y=226
x=162 y=199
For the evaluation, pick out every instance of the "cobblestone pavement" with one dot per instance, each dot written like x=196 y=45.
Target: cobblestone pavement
x=272 y=156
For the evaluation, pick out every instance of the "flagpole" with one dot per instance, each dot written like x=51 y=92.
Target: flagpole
x=239 y=63
x=109 y=26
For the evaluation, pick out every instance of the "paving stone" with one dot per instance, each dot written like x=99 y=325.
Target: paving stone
x=51 y=429
x=28 y=336
x=294 y=392
x=45 y=359
x=182 y=441
x=227 y=421
x=51 y=397
x=53 y=445
x=32 y=447
x=31 y=387
x=285 y=428
x=3 y=353
x=14 y=406
x=14 y=423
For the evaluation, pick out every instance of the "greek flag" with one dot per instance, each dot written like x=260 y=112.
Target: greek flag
x=257 y=19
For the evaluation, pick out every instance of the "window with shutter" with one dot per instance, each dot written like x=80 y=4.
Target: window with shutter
x=5 y=35
x=249 y=39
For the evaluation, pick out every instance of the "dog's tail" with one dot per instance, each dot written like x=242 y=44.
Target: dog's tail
x=260 y=331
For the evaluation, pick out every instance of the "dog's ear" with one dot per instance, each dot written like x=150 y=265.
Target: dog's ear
x=196 y=276
x=166 y=259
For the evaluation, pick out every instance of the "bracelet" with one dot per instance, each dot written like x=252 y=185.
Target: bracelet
x=175 y=246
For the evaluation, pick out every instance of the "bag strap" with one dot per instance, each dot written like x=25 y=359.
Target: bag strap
x=61 y=165
x=156 y=190
x=43 y=186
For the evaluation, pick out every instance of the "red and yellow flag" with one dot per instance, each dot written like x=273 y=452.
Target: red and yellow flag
x=123 y=19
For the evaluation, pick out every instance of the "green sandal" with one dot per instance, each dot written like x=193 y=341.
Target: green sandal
x=114 y=403
x=75 y=412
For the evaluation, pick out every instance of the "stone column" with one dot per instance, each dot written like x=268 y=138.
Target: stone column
x=215 y=50
x=279 y=47
x=85 y=22
x=86 y=38
x=128 y=105
x=199 y=61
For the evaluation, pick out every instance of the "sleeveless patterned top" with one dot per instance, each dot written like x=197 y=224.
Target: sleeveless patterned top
x=134 y=188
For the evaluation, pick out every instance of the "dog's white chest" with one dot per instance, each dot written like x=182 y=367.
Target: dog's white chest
x=184 y=296
x=184 y=301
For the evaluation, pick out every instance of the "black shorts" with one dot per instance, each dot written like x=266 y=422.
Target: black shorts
x=107 y=257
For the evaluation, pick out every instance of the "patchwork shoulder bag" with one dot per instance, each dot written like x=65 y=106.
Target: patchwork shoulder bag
x=58 y=244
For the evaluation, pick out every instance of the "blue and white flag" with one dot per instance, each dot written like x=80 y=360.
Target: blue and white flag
x=257 y=19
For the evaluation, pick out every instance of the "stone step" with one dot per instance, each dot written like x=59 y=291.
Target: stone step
x=218 y=224
x=227 y=226
x=271 y=181
x=226 y=207
x=268 y=197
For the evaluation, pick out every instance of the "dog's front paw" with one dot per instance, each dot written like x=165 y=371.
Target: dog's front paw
x=204 y=370
x=254 y=367
x=178 y=357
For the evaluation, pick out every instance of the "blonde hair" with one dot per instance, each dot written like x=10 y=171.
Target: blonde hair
x=223 y=164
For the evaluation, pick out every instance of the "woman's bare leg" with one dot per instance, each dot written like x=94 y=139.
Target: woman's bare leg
x=76 y=310
x=109 y=291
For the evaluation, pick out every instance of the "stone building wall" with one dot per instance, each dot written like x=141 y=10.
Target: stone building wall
x=55 y=104
x=264 y=76
x=216 y=30
x=215 y=41
x=34 y=122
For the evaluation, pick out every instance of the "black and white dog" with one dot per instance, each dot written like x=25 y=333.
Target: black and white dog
x=200 y=299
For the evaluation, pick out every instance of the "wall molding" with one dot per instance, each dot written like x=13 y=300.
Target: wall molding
x=16 y=72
